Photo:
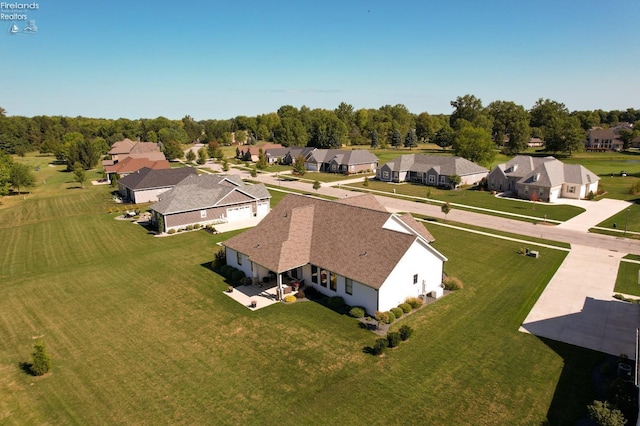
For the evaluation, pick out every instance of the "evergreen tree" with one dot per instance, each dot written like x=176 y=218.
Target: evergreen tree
x=40 y=359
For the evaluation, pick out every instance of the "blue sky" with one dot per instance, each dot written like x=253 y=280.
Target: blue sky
x=220 y=59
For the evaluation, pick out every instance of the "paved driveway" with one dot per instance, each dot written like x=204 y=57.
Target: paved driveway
x=578 y=307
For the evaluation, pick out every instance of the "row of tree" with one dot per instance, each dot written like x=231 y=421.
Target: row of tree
x=82 y=139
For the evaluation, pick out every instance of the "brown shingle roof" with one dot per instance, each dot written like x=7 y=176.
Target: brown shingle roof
x=349 y=240
x=131 y=164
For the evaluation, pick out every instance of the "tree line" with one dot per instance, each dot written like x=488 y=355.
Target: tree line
x=472 y=129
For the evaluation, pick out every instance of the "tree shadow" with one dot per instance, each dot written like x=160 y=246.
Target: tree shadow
x=26 y=367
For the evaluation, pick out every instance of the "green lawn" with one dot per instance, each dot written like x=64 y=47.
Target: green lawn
x=474 y=198
x=140 y=331
x=627 y=281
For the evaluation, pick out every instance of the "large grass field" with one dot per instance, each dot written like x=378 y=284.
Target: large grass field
x=140 y=332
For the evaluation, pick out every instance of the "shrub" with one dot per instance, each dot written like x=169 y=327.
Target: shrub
x=414 y=302
x=406 y=308
x=453 y=283
x=336 y=303
x=40 y=359
x=197 y=226
x=405 y=332
x=379 y=346
x=219 y=258
x=393 y=339
x=289 y=298
x=227 y=270
x=356 y=312
x=605 y=415
x=171 y=231
x=397 y=312
x=237 y=275
x=300 y=294
x=392 y=317
x=382 y=317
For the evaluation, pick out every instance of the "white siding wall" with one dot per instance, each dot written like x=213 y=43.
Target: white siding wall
x=232 y=259
x=471 y=179
x=149 y=195
x=399 y=284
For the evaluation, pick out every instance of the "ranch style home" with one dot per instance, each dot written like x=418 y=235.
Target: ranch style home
x=352 y=248
x=145 y=185
x=326 y=160
x=542 y=178
x=433 y=170
x=209 y=199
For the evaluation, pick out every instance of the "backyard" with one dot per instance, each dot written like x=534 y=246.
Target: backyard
x=139 y=331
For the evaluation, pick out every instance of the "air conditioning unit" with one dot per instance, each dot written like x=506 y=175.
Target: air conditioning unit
x=437 y=293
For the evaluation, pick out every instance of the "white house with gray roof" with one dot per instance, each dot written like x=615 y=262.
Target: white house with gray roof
x=542 y=178
x=341 y=161
x=145 y=185
x=433 y=170
x=209 y=199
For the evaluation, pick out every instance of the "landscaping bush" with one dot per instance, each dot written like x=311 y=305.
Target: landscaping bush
x=40 y=359
x=392 y=317
x=405 y=332
x=453 y=283
x=357 y=312
x=397 y=312
x=382 y=317
x=406 y=308
x=336 y=303
x=227 y=271
x=379 y=346
x=219 y=259
x=300 y=294
x=171 y=231
x=236 y=276
x=605 y=415
x=393 y=339
x=414 y=302
x=289 y=298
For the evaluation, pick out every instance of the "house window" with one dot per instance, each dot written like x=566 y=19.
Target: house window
x=333 y=167
x=333 y=282
x=294 y=273
x=385 y=174
x=415 y=279
x=348 y=286
x=571 y=189
x=432 y=179
x=443 y=178
x=526 y=190
x=314 y=274
x=203 y=214
x=541 y=192
x=239 y=258
x=323 y=278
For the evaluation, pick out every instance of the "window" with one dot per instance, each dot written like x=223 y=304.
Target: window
x=526 y=190
x=203 y=214
x=239 y=258
x=294 y=273
x=571 y=189
x=443 y=178
x=385 y=174
x=314 y=274
x=333 y=282
x=432 y=179
x=348 y=286
x=323 y=278
x=541 y=192
x=415 y=279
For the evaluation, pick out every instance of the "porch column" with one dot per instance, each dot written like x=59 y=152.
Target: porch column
x=279 y=286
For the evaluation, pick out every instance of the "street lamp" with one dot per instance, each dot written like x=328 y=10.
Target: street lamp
x=626 y=222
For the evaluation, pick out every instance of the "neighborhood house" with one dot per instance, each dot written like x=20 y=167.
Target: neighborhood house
x=145 y=185
x=352 y=248
x=209 y=199
x=433 y=170
x=542 y=178
x=326 y=160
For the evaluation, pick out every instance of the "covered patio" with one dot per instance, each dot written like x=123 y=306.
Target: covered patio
x=263 y=293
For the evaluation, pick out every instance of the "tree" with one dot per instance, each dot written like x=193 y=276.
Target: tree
x=202 y=156
x=445 y=208
x=214 y=150
x=173 y=150
x=470 y=109
x=3 y=112
x=627 y=136
x=40 y=359
x=411 y=140
x=564 y=134
x=444 y=137
x=474 y=144
x=79 y=175
x=455 y=181
x=316 y=185
x=396 y=138
x=262 y=159
x=375 y=143
x=298 y=166
x=21 y=176
x=510 y=120
x=254 y=171
x=5 y=173
x=225 y=165
x=240 y=137
x=426 y=126
x=191 y=156
x=366 y=181
x=543 y=112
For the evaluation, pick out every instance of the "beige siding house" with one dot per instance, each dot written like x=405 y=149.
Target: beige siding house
x=146 y=185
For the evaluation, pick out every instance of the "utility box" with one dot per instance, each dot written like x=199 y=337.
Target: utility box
x=437 y=293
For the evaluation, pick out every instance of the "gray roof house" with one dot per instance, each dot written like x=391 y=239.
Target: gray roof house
x=146 y=184
x=341 y=161
x=209 y=199
x=434 y=170
x=375 y=259
x=542 y=178
x=604 y=139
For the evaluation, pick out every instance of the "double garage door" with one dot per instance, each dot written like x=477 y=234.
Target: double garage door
x=239 y=213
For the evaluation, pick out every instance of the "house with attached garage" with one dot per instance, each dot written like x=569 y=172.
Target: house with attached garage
x=341 y=161
x=542 y=178
x=146 y=184
x=434 y=170
x=209 y=199
x=352 y=248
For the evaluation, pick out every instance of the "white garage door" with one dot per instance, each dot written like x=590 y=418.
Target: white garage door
x=263 y=208
x=237 y=213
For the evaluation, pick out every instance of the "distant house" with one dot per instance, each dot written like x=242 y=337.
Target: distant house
x=535 y=143
x=130 y=165
x=286 y=155
x=146 y=184
x=252 y=152
x=542 y=178
x=341 y=161
x=136 y=149
x=604 y=140
x=209 y=199
x=434 y=170
x=352 y=248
